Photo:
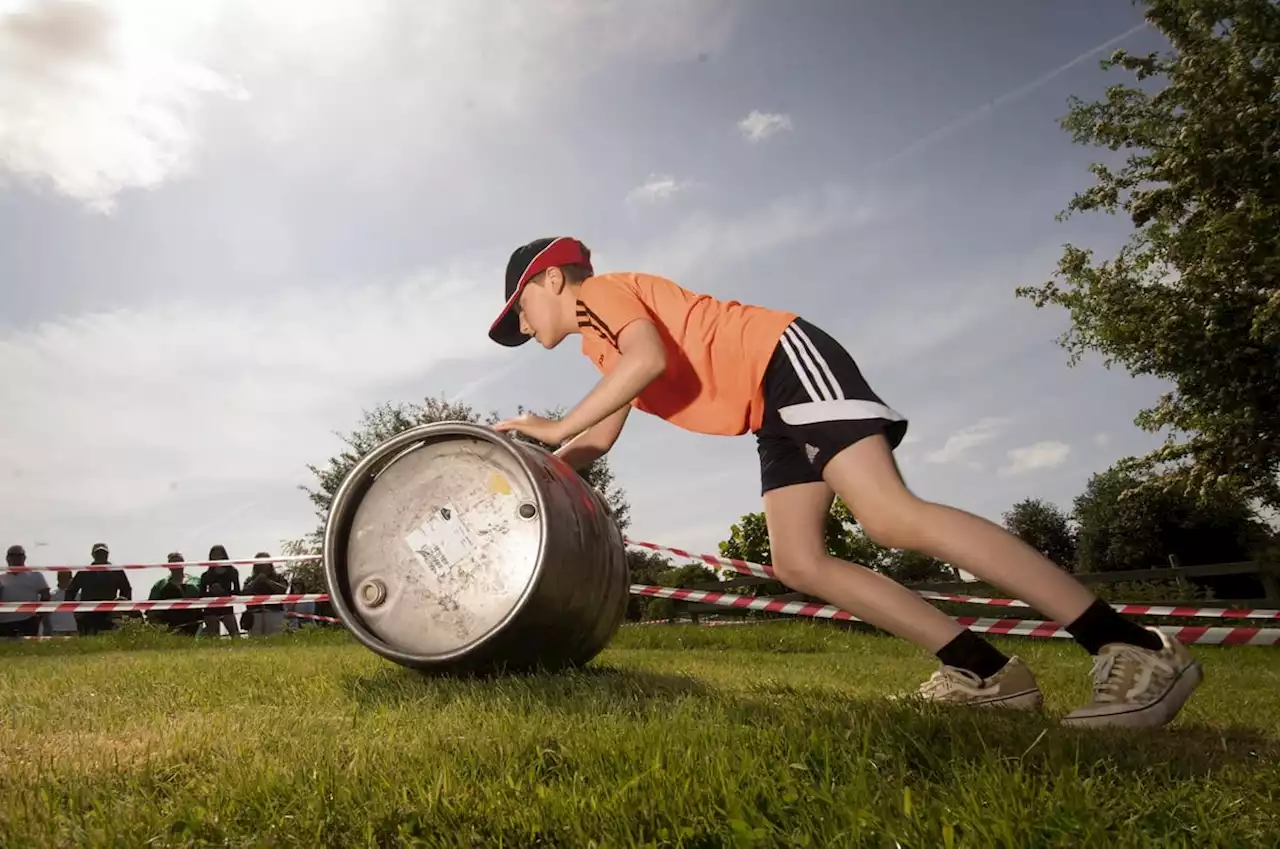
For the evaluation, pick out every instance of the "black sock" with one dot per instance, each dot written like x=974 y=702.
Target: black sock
x=970 y=652
x=1100 y=624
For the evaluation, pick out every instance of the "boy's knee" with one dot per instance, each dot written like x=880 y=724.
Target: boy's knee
x=797 y=568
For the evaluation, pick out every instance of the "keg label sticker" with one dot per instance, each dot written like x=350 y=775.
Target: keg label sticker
x=442 y=540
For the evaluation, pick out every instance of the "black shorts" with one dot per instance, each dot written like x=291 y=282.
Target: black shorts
x=816 y=404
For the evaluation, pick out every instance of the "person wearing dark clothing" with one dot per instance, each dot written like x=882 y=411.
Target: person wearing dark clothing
x=267 y=619
x=222 y=580
x=98 y=586
x=180 y=621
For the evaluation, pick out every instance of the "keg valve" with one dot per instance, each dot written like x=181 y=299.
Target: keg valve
x=373 y=592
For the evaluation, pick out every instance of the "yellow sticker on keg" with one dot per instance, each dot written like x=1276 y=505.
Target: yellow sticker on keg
x=499 y=485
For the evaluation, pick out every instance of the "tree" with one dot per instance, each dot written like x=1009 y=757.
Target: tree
x=1044 y=527
x=912 y=567
x=688 y=575
x=387 y=420
x=647 y=567
x=749 y=540
x=1124 y=525
x=1194 y=297
x=307 y=573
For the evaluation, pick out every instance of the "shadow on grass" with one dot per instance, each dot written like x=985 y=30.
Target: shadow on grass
x=931 y=740
x=926 y=742
x=594 y=689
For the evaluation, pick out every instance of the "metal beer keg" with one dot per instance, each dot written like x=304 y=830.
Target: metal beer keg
x=451 y=547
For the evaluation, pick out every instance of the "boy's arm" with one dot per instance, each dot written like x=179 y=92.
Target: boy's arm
x=642 y=360
x=594 y=442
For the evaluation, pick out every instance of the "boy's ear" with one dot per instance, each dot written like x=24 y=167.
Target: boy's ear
x=555 y=279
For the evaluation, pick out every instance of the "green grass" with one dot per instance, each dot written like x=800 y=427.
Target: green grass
x=770 y=735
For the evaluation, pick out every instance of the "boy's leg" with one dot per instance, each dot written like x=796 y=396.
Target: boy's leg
x=817 y=402
x=974 y=672
x=1142 y=677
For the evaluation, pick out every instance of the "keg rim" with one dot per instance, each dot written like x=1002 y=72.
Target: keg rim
x=342 y=510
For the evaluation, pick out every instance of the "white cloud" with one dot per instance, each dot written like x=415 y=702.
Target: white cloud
x=1039 y=456
x=659 y=187
x=103 y=98
x=703 y=241
x=960 y=443
x=109 y=414
x=90 y=105
x=759 y=126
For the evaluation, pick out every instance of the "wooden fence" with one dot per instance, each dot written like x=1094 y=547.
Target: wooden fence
x=1267 y=577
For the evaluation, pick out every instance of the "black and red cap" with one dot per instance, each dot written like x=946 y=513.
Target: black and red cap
x=527 y=262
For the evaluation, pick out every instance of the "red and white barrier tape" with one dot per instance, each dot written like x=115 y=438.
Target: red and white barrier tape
x=159 y=604
x=743 y=566
x=1186 y=634
x=111 y=567
x=761 y=570
x=746 y=602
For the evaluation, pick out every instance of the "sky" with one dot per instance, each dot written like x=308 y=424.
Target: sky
x=227 y=228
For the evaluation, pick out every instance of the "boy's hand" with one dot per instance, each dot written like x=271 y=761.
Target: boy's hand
x=548 y=431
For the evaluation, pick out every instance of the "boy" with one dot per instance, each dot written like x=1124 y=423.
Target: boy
x=721 y=367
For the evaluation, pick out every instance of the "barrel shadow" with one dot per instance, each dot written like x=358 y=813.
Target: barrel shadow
x=593 y=689
x=927 y=740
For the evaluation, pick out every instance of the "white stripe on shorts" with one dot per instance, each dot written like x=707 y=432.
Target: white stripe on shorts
x=797 y=333
x=816 y=412
x=809 y=366
x=801 y=372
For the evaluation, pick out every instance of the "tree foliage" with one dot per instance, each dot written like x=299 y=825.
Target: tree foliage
x=305 y=575
x=1123 y=525
x=647 y=567
x=1046 y=528
x=686 y=575
x=1194 y=297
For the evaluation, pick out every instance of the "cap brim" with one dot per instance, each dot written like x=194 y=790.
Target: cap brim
x=506 y=329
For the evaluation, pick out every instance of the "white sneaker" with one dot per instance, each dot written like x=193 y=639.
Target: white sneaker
x=1012 y=687
x=1137 y=688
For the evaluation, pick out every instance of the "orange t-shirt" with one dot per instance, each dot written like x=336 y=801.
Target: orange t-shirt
x=717 y=351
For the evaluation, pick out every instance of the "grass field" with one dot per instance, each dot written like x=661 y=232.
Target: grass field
x=772 y=735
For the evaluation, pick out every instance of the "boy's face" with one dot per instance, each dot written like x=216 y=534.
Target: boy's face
x=541 y=308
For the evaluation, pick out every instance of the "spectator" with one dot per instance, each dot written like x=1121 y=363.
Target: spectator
x=60 y=624
x=297 y=586
x=177 y=585
x=219 y=581
x=108 y=585
x=18 y=587
x=267 y=618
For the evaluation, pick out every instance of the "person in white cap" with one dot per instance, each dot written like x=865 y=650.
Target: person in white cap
x=99 y=585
